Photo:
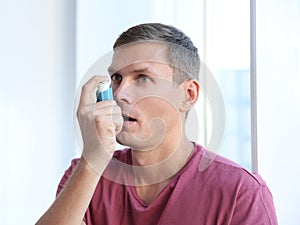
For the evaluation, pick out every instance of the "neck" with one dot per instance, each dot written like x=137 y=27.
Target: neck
x=162 y=163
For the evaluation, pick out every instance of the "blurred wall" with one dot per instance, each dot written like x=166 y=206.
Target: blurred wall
x=37 y=85
x=278 y=79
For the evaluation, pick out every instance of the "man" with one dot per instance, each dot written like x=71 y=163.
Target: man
x=157 y=179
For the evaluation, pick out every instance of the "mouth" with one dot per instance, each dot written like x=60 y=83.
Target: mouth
x=127 y=118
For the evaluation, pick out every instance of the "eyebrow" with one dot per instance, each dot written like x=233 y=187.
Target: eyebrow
x=139 y=70
x=111 y=70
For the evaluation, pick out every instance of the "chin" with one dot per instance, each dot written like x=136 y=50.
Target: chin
x=137 y=143
x=124 y=139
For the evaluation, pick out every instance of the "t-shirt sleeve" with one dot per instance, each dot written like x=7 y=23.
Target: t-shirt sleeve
x=66 y=176
x=255 y=206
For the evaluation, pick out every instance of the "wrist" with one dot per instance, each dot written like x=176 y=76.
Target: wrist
x=95 y=163
x=86 y=168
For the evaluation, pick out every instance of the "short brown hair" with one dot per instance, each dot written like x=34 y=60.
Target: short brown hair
x=182 y=54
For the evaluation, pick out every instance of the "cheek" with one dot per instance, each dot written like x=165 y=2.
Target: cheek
x=160 y=107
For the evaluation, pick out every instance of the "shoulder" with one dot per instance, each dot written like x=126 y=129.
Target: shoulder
x=226 y=172
x=226 y=186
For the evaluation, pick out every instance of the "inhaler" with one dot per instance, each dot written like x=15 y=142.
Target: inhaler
x=104 y=91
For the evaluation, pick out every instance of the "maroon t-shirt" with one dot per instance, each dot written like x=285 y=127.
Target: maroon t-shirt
x=221 y=194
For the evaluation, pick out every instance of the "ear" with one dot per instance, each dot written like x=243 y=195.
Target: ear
x=191 y=90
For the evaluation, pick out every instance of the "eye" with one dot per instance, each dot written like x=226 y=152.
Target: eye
x=116 y=77
x=143 y=78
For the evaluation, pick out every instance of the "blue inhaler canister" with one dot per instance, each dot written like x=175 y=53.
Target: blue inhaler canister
x=104 y=91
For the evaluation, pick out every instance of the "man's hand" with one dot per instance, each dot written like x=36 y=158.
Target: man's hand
x=99 y=123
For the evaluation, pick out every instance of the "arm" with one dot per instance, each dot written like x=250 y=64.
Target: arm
x=71 y=204
x=99 y=123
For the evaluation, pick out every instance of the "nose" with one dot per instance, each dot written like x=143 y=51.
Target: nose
x=123 y=92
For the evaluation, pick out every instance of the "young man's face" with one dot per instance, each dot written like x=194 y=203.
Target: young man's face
x=150 y=101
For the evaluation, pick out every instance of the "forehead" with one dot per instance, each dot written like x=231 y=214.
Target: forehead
x=138 y=53
x=153 y=69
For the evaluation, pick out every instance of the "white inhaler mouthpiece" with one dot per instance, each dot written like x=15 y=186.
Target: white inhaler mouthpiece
x=104 y=91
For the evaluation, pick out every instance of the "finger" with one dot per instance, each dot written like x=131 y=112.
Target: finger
x=118 y=121
x=108 y=125
x=88 y=90
x=107 y=108
x=107 y=114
